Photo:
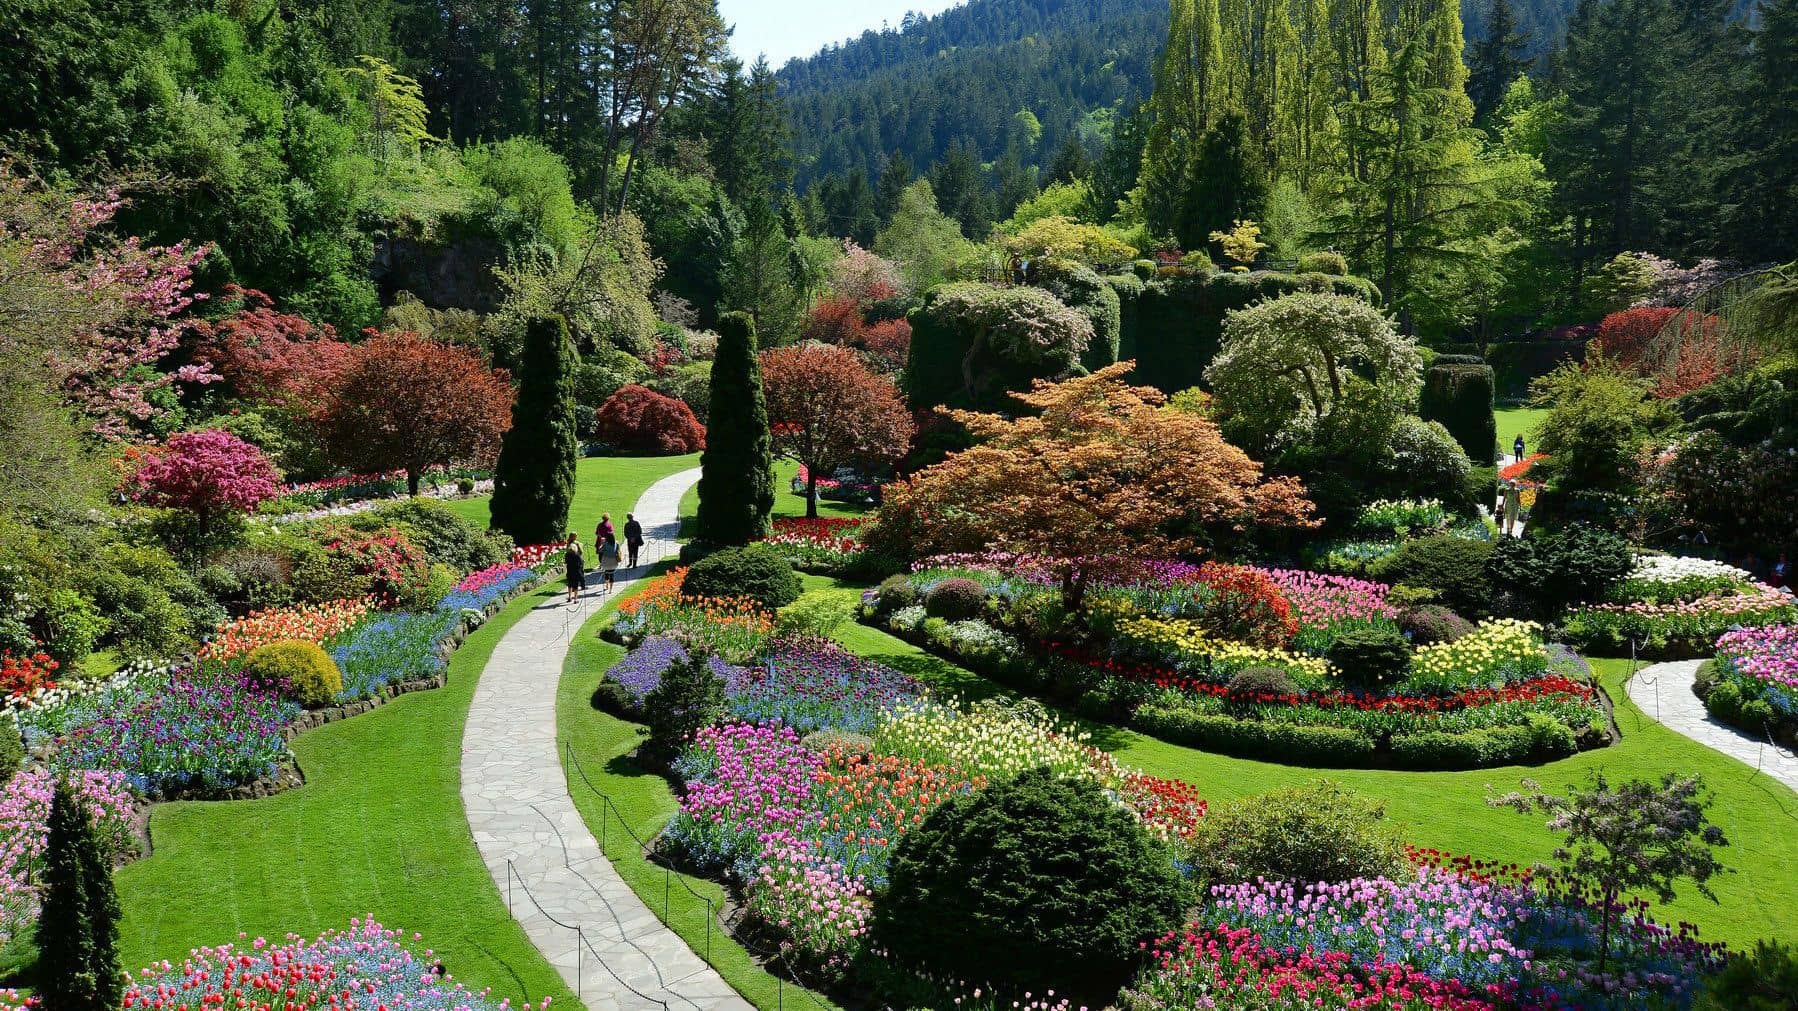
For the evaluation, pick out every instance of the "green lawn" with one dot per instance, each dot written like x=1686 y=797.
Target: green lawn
x=603 y=484
x=378 y=828
x=1515 y=421
x=1447 y=810
x=644 y=802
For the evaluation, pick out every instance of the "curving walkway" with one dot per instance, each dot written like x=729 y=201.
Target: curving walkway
x=1664 y=692
x=532 y=838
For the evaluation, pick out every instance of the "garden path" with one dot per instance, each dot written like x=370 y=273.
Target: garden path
x=1664 y=691
x=533 y=840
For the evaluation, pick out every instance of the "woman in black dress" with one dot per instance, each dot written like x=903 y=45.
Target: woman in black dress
x=577 y=568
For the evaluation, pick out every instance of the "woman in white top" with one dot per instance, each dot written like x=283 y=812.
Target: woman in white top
x=608 y=560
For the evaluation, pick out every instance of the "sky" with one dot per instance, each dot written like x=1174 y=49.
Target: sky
x=783 y=29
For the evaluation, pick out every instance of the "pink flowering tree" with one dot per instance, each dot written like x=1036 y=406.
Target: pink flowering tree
x=104 y=313
x=866 y=277
x=211 y=476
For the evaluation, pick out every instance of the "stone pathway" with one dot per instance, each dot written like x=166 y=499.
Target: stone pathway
x=1664 y=692
x=535 y=844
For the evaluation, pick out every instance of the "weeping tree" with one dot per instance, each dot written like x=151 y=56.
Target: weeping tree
x=533 y=484
x=736 y=482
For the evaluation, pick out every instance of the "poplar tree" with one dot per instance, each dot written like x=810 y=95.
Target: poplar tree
x=736 y=482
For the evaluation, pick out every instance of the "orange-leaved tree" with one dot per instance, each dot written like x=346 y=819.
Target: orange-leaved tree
x=1094 y=469
x=827 y=410
x=401 y=402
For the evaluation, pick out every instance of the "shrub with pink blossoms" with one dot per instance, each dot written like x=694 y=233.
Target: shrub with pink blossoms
x=209 y=474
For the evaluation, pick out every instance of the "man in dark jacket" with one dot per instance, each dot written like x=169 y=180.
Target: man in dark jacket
x=633 y=537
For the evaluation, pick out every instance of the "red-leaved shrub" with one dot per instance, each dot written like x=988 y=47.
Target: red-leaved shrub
x=1625 y=337
x=1249 y=607
x=640 y=420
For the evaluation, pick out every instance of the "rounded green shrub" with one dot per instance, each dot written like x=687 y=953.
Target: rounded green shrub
x=1555 y=569
x=758 y=571
x=1252 y=681
x=1326 y=262
x=1765 y=979
x=955 y=599
x=1454 y=567
x=1321 y=831
x=895 y=592
x=1034 y=882
x=1428 y=624
x=305 y=671
x=1373 y=658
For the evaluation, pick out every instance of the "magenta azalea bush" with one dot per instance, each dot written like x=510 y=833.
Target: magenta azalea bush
x=1763 y=664
x=208 y=473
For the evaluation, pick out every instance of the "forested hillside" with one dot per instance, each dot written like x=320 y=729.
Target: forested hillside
x=965 y=73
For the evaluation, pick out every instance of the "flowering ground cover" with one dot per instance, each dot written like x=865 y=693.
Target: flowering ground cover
x=735 y=628
x=1677 y=627
x=1244 y=660
x=823 y=544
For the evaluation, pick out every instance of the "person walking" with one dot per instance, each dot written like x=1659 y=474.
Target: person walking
x=576 y=563
x=633 y=536
x=1517 y=447
x=608 y=560
x=604 y=530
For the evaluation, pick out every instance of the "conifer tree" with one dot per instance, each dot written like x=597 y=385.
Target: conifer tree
x=736 y=483
x=1496 y=61
x=78 y=930
x=533 y=483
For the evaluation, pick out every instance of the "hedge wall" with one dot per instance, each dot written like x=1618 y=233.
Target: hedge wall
x=944 y=328
x=1080 y=288
x=1460 y=396
x=1173 y=326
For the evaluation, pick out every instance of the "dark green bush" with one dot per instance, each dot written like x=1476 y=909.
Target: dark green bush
x=1035 y=882
x=1428 y=624
x=155 y=608
x=12 y=748
x=1455 y=567
x=895 y=592
x=1460 y=397
x=1283 y=742
x=445 y=537
x=1081 y=289
x=1555 y=569
x=1540 y=739
x=758 y=571
x=1765 y=979
x=689 y=698
x=1317 y=832
x=955 y=599
x=1373 y=658
x=1262 y=681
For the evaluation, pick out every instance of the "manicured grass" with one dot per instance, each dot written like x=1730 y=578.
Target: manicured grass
x=603 y=484
x=1515 y=421
x=377 y=829
x=1448 y=810
x=644 y=802
x=785 y=502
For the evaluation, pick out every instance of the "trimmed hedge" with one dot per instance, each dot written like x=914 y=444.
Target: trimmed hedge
x=1287 y=743
x=954 y=316
x=758 y=571
x=1541 y=740
x=1460 y=396
x=1080 y=288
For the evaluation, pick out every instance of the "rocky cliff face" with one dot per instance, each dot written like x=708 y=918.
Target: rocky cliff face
x=451 y=274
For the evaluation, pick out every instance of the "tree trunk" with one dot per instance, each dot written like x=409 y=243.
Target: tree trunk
x=811 y=492
x=412 y=482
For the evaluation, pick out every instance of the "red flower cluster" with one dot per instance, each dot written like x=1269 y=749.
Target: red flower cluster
x=640 y=420
x=1250 y=607
x=838 y=533
x=1470 y=868
x=1165 y=804
x=24 y=676
x=395 y=567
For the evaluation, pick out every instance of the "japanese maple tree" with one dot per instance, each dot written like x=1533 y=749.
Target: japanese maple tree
x=209 y=474
x=640 y=420
x=827 y=410
x=1091 y=468
x=273 y=357
x=402 y=402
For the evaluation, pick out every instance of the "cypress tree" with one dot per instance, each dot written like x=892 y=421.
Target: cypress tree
x=533 y=484
x=1496 y=61
x=736 y=483
x=78 y=930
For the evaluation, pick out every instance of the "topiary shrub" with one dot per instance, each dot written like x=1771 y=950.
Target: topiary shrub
x=1460 y=397
x=1428 y=624
x=1556 y=569
x=895 y=592
x=12 y=748
x=1035 y=882
x=1455 y=567
x=533 y=480
x=641 y=421
x=1326 y=262
x=758 y=571
x=1373 y=658
x=1253 y=681
x=736 y=483
x=1321 y=831
x=955 y=599
x=303 y=671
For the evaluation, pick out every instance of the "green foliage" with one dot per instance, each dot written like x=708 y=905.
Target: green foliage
x=1253 y=681
x=527 y=184
x=817 y=615
x=926 y=243
x=305 y=672
x=1599 y=418
x=1372 y=658
x=155 y=607
x=895 y=592
x=1765 y=979
x=1455 y=567
x=972 y=343
x=689 y=698
x=736 y=484
x=1084 y=291
x=955 y=599
x=757 y=571
x=1032 y=882
x=1460 y=397
x=1321 y=831
x=1057 y=237
x=1422 y=459
x=533 y=483
x=12 y=748
x=1326 y=262
x=78 y=929
x=395 y=106
x=1553 y=570
x=1539 y=739
x=444 y=535
x=74 y=625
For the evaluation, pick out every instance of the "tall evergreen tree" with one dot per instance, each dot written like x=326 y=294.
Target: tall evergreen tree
x=895 y=176
x=1071 y=163
x=78 y=929
x=1119 y=166
x=736 y=483
x=961 y=190
x=1758 y=191
x=533 y=483
x=1190 y=93
x=1496 y=61
x=1229 y=181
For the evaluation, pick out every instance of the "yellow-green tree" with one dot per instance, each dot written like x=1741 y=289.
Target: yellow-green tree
x=395 y=105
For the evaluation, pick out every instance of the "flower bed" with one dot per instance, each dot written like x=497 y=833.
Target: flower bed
x=1677 y=629
x=319 y=623
x=735 y=628
x=823 y=545
x=1236 y=659
x=1752 y=683
x=1439 y=939
x=339 y=495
